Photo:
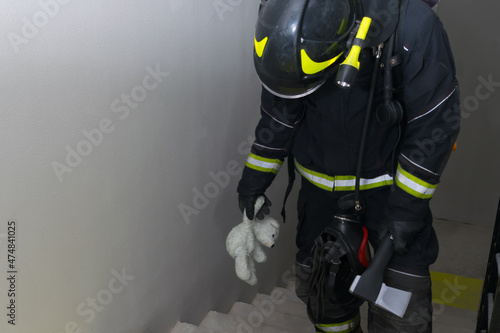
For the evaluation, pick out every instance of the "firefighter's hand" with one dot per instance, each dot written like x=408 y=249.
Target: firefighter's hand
x=247 y=203
x=403 y=233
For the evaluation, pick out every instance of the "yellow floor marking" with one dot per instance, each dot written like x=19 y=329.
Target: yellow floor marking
x=457 y=291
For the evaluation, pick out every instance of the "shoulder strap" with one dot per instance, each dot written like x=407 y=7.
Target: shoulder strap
x=397 y=56
x=291 y=179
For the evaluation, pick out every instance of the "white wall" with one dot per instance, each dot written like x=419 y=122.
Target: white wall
x=469 y=191
x=113 y=114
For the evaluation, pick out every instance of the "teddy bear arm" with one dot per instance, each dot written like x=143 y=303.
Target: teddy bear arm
x=258 y=253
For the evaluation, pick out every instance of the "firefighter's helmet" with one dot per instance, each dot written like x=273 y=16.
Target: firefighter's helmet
x=299 y=44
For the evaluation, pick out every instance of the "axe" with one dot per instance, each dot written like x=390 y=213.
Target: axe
x=370 y=285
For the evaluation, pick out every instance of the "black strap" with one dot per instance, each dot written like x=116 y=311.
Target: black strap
x=316 y=286
x=397 y=56
x=291 y=179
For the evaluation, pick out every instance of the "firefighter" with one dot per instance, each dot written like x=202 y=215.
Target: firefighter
x=406 y=75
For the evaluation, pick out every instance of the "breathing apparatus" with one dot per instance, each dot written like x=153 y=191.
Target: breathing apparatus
x=348 y=227
x=340 y=252
x=391 y=111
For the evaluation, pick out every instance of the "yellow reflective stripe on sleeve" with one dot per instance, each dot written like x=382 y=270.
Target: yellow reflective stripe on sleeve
x=345 y=327
x=342 y=183
x=310 y=66
x=263 y=164
x=413 y=185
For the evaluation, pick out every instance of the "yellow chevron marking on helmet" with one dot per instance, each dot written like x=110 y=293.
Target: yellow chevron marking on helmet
x=310 y=66
x=259 y=46
x=343 y=26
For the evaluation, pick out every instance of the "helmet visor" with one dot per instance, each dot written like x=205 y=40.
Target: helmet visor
x=327 y=20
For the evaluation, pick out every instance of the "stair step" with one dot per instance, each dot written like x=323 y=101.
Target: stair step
x=257 y=316
x=281 y=304
x=285 y=293
x=290 y=285
x=187 y=328
x=216 y=322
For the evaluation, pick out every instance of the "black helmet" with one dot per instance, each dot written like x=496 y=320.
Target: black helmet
x=300 y=43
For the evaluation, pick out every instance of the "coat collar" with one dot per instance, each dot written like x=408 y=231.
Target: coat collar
x=385 y=18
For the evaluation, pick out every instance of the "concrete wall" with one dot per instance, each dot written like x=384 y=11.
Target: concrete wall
x=469 y=191
x=124 y=126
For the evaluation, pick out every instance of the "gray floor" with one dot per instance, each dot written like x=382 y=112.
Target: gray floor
x=464 y=251
x=464 y=248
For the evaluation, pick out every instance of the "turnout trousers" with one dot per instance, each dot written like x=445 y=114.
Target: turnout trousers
x=409 y=271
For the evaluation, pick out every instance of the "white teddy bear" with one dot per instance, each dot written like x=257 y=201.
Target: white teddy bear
x=244 y=241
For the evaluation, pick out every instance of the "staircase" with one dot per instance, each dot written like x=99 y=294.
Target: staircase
x=283 y=312
x=280 y=312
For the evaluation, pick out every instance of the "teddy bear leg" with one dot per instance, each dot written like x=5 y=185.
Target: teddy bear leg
x=243 y=267
x=253 y=280
x=253 y=277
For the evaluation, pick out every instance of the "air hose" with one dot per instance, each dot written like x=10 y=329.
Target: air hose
x=347 y=202
x=378 y=53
